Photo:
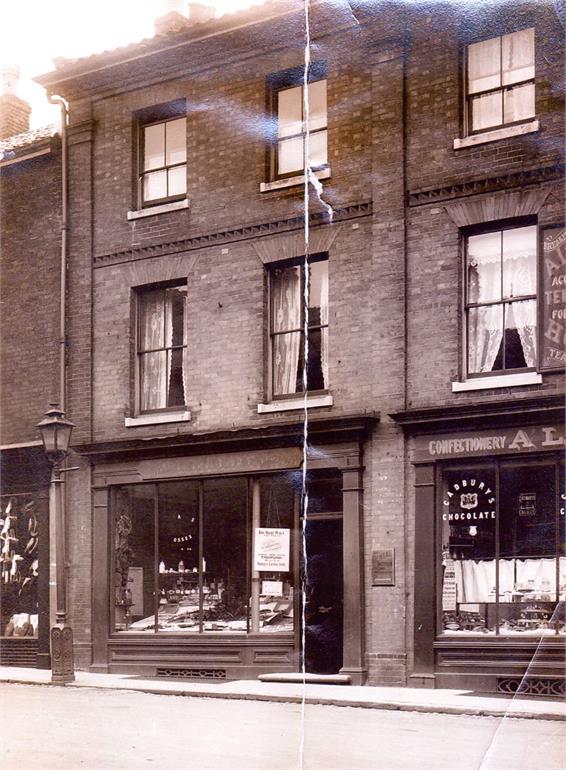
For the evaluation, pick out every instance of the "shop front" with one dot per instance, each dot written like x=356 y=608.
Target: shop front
x=199 y=564
x=490 y=537
x=24 y=558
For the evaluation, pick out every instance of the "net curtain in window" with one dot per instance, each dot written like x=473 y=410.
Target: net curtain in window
x=486 y=284
x=286 y=308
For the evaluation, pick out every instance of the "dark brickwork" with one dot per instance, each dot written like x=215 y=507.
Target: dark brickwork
x=395 y=104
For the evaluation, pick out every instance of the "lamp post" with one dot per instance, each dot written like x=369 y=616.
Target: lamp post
x=55 y=432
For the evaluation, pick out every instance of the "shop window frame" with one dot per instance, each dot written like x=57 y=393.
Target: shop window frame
x=495 y=464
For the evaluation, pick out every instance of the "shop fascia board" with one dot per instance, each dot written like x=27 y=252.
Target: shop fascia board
x=332 y=430
x=482 y=414
x=134 y=66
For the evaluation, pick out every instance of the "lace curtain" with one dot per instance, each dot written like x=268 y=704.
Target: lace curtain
x=156 y=334
x=286 y=311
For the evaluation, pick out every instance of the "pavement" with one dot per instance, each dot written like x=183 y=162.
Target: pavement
x=437 y=701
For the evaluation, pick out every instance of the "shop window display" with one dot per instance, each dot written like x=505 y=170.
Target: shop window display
x=503 y=549
x=19 y=565
x=182 y=554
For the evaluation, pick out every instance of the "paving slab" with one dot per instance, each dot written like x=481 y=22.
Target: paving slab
x=389 y=698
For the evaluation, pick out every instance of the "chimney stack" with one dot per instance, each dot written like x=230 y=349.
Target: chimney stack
x=14 y=112
x=181 y=13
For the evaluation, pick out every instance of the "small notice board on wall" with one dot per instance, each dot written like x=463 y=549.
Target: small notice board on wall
x=383 y=567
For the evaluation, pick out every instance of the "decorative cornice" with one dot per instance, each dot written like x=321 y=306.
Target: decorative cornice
x=489 y=184
x=346 y=428
x=476 y=415
x=244 y=233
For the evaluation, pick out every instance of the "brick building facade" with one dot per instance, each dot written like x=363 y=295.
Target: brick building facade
x=186 y=269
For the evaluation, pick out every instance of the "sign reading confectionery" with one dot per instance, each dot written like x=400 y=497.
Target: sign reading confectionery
x=553 y=314
x=490 y=442
x=271 y=549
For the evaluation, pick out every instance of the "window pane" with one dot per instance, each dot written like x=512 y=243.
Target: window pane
x=154 y=146
x=178 y=551
x=317 y=105
x=176 y=385
x=177 y=180
x=290 y=111
x=485 y=337
x=19 y=566
x=317 y=149
x=134 y=558
x=325 y=491
x=484 y=267
x=519 y=103
x=484 y=65
x=175 y=301
x=279 y=496
x=155 y=186
x=290 y=156
x=520 y=335
x=225 y=556
x=287 y=354
x=153 y=381
x=486 y=111
x=318 y=293
x=286 y=299
x=176 y=141
x=528 y=547
x=519 y=261
x=518 y=56
x=151 y=320
x=317 y=371
x=467 y=523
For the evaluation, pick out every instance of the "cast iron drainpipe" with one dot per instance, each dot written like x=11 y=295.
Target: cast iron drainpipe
x=54 y=99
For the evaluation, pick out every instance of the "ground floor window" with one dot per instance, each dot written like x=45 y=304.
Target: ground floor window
x=211 y=555
x=503 y=553
x=19 y=565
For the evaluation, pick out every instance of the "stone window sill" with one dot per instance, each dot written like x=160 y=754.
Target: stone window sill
x=294 y=404
x=158 y=418
x=293 y=181
x=162 y=209
x=502 y=381
x=493 y=136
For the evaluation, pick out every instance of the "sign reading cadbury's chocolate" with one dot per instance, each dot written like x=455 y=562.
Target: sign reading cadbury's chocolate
x=553 y=333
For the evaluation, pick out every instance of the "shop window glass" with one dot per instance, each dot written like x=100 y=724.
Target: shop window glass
x=183 y=551
x=279 y=496
x=503 y=565
x=134 y=558
x=287 y=289
x=19 y=565
x=501 y=281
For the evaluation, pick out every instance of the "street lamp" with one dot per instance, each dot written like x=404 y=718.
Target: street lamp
x=55 y=432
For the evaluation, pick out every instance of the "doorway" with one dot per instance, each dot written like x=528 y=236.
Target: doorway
x=324 y=596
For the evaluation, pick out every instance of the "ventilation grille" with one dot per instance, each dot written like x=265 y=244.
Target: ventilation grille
x=192 y=673
x=532 y=686
x=18 y=652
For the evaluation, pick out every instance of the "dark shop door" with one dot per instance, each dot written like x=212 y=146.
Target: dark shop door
x=324 y=596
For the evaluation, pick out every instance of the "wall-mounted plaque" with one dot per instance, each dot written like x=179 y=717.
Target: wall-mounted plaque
x=383 y=567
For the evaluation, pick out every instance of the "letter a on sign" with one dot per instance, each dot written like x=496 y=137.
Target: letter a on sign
x=521 y=441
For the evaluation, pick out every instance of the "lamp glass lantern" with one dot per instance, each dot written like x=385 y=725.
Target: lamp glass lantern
x=55 y=432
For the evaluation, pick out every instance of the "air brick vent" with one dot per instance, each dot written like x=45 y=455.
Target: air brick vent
x=532 y=686
x=192 y=673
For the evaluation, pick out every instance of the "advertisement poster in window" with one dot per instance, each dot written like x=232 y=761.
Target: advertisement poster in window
x=271 y=549
x=553 y=326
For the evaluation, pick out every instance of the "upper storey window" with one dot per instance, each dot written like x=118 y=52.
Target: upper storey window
x=500 y=83
x=296 y=109
x=163 y=161
x=501 y=306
